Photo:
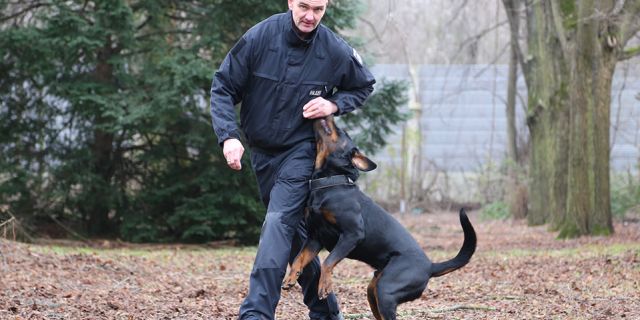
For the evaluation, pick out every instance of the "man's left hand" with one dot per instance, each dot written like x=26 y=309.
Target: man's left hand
x=318 y=108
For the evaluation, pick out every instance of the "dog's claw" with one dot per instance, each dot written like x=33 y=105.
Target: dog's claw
x=324 y=290
x=290 y=281
x=323 y=293
x=287 y=285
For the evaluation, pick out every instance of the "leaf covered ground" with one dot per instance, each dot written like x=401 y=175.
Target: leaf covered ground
x=518 y=272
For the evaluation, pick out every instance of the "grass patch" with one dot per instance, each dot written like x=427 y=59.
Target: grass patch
x=586 y=251
x=144 y=252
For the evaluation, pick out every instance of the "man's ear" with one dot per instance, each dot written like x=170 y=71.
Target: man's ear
x=361 y=162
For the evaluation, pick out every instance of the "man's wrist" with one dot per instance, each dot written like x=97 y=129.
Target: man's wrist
x=231 y=140
x=335 y=110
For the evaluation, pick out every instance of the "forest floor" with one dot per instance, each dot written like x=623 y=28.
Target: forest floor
x=518 y=272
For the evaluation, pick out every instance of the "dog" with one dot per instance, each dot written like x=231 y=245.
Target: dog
x=346 y=222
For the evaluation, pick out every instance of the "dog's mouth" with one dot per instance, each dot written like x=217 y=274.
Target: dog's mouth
x=325 y=126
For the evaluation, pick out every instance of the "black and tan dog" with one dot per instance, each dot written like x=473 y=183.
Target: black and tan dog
x=343 y=220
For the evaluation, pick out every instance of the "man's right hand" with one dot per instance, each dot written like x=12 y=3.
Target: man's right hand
x=233 y=150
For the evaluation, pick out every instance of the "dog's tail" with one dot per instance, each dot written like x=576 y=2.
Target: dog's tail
x=465 y=253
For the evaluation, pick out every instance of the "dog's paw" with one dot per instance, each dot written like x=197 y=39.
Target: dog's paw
x=290 y=280
x=324 y=289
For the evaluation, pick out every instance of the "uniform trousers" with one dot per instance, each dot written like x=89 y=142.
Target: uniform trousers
x=283 y=182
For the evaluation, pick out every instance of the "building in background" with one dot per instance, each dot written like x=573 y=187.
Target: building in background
x=464 y=130
x=454 y=56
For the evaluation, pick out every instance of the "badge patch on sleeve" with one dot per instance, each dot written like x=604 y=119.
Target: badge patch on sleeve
x=356 y=56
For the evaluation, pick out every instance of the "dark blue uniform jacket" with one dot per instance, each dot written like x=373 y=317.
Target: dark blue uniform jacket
x=274 y=73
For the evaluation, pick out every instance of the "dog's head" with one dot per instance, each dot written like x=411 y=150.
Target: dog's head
x=336 y=152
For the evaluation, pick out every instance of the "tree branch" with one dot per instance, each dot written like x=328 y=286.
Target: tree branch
x=475 y=38
x=463 y=307
x=161 y=33
x=372 y=27
x=17 y=223
x=494 y=61
x=630 y=22
x=144 y=23
x=457 y=12
x=12 y=219
x=68 y=229
x=556 y=15
x=483 y=33
x=24 y=11
x=513 y=9
x=629 y=53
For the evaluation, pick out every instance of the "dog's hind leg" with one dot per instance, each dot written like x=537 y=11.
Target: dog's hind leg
x=403 y=279
x=372 y=295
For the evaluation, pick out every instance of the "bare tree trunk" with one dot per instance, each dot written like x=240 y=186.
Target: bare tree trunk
x=411 y=167
x=414 y=135
x=411 y=172
x=572 y=50
x=548 y=163
x=516 y=192
x=97 y=213
x=588 y=203
x=546 y=76
x=512 y=86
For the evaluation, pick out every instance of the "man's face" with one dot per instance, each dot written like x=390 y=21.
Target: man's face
x=307 y=14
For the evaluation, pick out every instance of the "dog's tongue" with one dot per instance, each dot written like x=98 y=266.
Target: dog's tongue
x=325 y=126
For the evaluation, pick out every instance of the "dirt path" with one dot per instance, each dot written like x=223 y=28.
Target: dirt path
x=517 y=273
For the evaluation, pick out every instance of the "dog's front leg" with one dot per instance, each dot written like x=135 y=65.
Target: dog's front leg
x=352 y=227
x=306 y=255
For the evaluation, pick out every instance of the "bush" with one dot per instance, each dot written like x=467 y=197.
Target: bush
x=625 y=195
x=498 y=210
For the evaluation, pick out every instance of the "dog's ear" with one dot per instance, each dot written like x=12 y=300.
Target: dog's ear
x=361 y=162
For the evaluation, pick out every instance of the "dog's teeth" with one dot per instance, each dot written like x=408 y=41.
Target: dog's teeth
x=325 y=126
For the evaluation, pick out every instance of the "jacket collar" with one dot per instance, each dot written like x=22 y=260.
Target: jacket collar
x=292 y=36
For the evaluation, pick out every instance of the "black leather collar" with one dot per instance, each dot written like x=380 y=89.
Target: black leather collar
x=330 y=182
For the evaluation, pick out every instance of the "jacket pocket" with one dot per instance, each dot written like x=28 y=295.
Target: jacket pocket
x=256 y=110
x=265 y=76
x=317 y=88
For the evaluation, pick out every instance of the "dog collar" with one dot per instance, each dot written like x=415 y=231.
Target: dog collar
x=330 y=182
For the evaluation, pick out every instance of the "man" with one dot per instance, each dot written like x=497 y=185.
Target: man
x=286 y=71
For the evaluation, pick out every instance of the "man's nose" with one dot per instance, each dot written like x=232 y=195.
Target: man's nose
x=309 y=16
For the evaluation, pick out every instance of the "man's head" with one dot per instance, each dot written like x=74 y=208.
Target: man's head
x=307 y=14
